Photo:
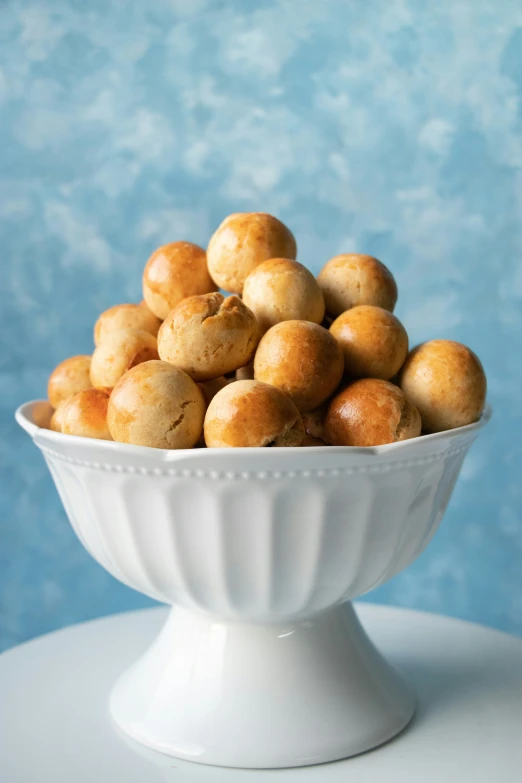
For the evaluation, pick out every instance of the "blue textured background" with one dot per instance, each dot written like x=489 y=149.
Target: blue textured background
x=390 y=127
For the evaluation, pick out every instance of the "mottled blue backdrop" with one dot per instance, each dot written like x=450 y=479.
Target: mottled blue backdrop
x=391 y=127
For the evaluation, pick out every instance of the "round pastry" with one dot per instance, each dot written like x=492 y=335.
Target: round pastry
x=86 y=415
x=352 y=279
x=208 y=336
x=242 y=242
x=283 y=290
x=69 y=377
x=119 y=352
x=156 y=405
x=373 y=341
x=211 y=388
x=172 y=273
x=249 y=414
x=302 y=359
x=55 y=424
x=125 y=316
x=371 y=412
x=447 y=383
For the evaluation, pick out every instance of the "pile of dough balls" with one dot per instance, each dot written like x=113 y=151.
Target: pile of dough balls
x=282 y=359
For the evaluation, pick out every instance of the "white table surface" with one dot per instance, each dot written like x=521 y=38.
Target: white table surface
x=54 y=725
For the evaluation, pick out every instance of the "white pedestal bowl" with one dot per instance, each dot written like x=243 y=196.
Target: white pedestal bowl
x=262 y=662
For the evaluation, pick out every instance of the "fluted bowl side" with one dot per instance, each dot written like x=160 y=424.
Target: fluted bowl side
x=257 y=535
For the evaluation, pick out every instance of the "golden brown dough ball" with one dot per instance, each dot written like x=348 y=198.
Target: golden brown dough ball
x=242 y=242
x=283 y=290
x=302 y=359
x=69 y=377
x=119 y=352
x=211 y=388
x=353 y=279
x=86 y=415
x=249 y=414
x=156 y=405
x=56 y=422
x=125 y=316
x=208 y=336
x=371 y=412
x=172 y=273
x=447 y=383
x=373 y=341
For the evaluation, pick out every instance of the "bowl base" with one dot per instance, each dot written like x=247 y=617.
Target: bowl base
x=263 y=697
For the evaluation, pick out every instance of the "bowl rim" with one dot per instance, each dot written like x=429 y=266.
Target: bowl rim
x=24 y=417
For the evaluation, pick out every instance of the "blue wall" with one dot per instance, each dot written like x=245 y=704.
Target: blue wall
x=381 y=127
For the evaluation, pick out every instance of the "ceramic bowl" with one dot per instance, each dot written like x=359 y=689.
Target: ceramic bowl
x=262 y=662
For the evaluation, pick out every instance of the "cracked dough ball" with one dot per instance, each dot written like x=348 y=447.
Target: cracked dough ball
x=156 y=405
x=302 y=359
x=69 y=377
x=119 y=352
x=283 y=290
x=125 y=316
x=242 y=242
x=373 y=341
x=352 y=279
x=174 y=272
x=249 y=414
x=371 y=412
x=86 y=415
x=208 y=336
x=447 y=383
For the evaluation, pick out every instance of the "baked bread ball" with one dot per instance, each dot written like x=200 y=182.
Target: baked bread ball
x=86 y=415
x=353 y=279
x=125 y=316
x=373 y=341
x=283 y=290
x=249 y=414
x=119 y=352
x=371 y=412
x=156 y=405
x=56 y=421
x=208 y=336
x=210 y=388
x=447 y=383
x=172 y=273
x=302 y=359
x=69 y=377
x=243 y=241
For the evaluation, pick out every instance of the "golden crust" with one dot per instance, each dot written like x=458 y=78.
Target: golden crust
x=371 y=412
x=302 y=359
x=125 y=316
x=69 y=377
x=447 y=383
x=281 y=289
x=249 y=414
x=208 y=336
x=353 y=279
x=118 y=353
x=85 y=415
x=373 y=341
x=156 y=405
x=242 y=242
x=173 y=272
